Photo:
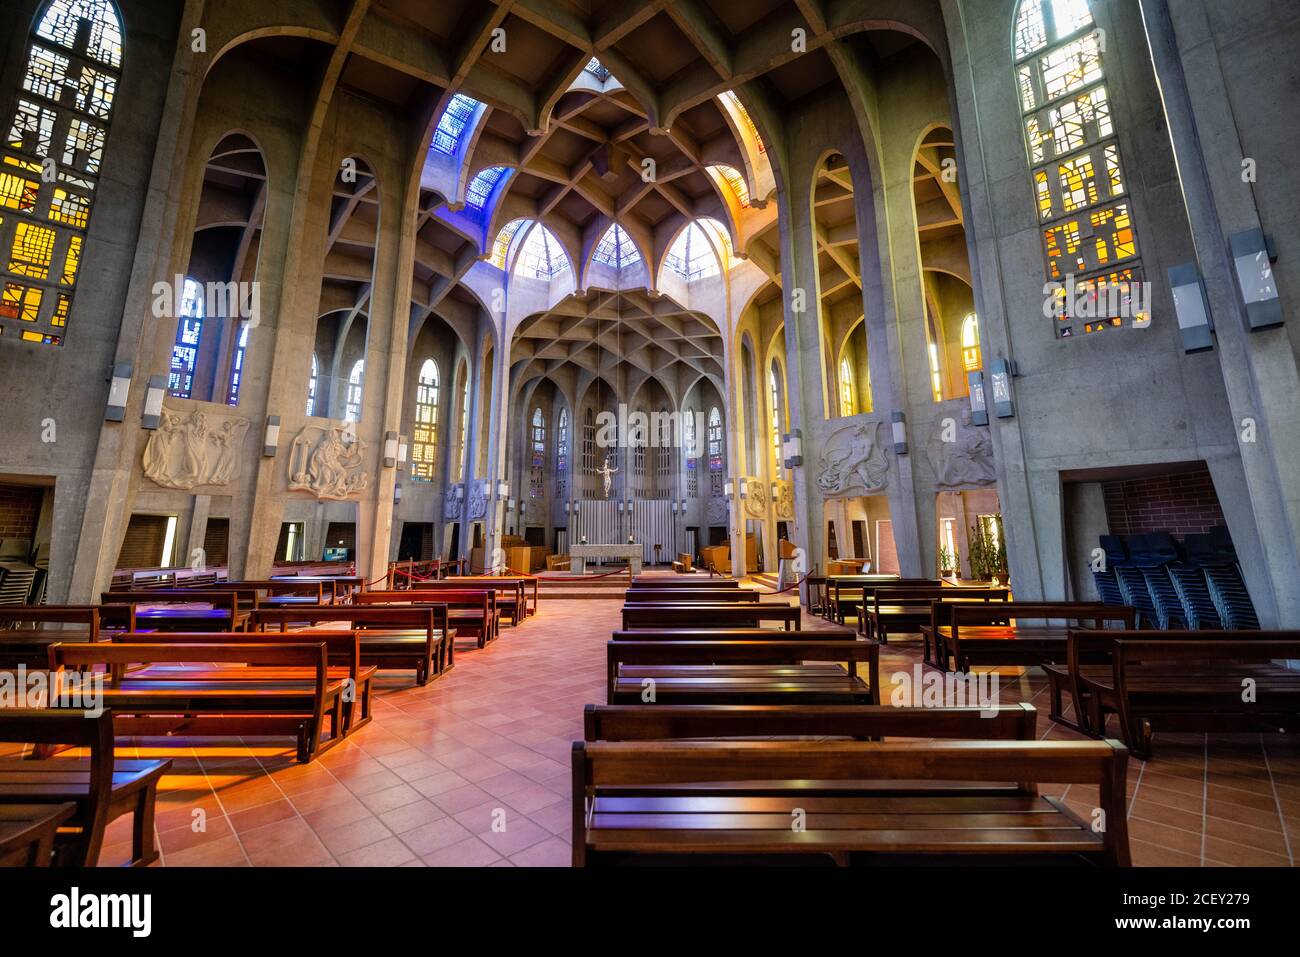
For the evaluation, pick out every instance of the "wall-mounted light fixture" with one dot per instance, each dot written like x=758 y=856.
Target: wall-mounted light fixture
x=390 y=449
x=683 y=505
x=503 y=488
x=459 y=493
x=118 y=390
x=792 y=448
x=1000 y=373
x=153 y=402
x=397 y=495
x=402 y=452
x=511 y=507
x=899 y=426
x=744 y=488
x=1253 y=255
x=621 y=505
x=979 y=409
x=728 y=489
x=1191 y=307
x=674 y=506
x=271 y=438
x=776 y=490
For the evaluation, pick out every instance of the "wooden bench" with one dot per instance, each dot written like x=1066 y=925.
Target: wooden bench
x=838 y=602
x=296 y=705
x=742 y=672
x=664 y=581
x=517 y=594
x=343 y=649
x=908 y=607
x=711 y=596
x=277 y=592
x=100 y=787
x=228 y=609
x=734 y=634
x=468 y=612
x=391 y=636
x=29 y=646
x=619 y=722
x=1185 y=681
x=855 y=800
x=28 y=831
x=982 y=633
x=342 y=587
x=712 y=615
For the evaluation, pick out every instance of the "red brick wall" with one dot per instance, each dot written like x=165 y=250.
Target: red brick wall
x=20 y=507
x=1181 y=504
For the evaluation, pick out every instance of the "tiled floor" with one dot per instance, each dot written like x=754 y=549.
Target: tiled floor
x=473 y=770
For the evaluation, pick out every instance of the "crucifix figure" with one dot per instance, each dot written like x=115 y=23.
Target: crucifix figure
x=608 y=474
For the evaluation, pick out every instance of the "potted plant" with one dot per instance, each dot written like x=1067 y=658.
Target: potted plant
x=947 y=561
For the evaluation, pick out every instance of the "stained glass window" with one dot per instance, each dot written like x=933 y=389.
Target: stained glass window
x=715 y=451
x=481 y=186
x=185 y=351
x=352 y=405
x=451 y=125
x=562 y=453
x=848 y=392
x=539 y=439
x=778 y=415
x=735 y=181
x=595 y=68
x=501 y=247
x=692 y=257
x=463 y=450
x=542 y=256
x=424 y=435
x=616 y=248
x=311 y=386
x=237 y=366
x=733 y=101
x=59 y=126
x=692 y=454
x=1077 y=171
x=970 y=343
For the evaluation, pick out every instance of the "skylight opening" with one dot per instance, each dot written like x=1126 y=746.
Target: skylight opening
x=542 y=256
x=501 y=247
x=733 y=101
x=451 y=125
x=595 y=68
x=481 y=186
x=735 y=181
x=616 y=248
x=692 y=256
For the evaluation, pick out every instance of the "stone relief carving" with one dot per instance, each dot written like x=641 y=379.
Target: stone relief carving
x=716 y=511
x=450 y=503
x=187 y=451
x=966 y=460
x=755 y=498
x=784 y=499
x=854 y=459
x=328 y=462
x=477 y=501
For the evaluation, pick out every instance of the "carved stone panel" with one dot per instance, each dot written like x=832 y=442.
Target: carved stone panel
x=328 y=462
x=187 y=451
x=755 y=498
x=477 y=501
x=854 y=462
x=450 y=503
x=784 y=499
x=961 y=454
x=715 y=512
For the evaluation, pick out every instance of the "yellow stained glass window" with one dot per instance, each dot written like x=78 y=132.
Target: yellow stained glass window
x=61 y=308
x=73 y=261
x=70 y=209
x=32 y=252
x=20 y=302
x=18 y=192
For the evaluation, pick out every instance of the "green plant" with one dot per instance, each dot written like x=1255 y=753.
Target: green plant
x=987 y=553
x=947 y=560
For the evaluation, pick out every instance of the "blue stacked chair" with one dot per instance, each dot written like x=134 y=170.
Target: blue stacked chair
x=1198 y=606
x=1231 y=599
x=1108 y=586
x=1133 y=588
x=1168 y=607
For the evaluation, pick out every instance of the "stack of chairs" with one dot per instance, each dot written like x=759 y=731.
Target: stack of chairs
x=1198 y=585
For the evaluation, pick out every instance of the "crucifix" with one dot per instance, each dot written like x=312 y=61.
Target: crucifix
x=608 y=474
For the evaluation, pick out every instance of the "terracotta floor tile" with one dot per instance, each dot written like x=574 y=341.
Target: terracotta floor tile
x=470 y=852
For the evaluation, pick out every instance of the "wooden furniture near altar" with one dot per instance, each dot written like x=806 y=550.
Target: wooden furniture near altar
x=523 y=558
x=580 y=554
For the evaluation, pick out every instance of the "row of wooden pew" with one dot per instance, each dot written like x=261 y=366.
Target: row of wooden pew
x=741 y=743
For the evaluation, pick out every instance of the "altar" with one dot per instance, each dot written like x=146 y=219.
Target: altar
x=579 y=554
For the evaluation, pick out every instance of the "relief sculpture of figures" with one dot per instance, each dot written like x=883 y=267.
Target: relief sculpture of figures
x=854 y=459
x=961 y=454
x=187 y=451
x=328 y=462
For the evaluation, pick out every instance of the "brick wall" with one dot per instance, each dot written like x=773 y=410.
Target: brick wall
x=1181 y=504
x=20 y=507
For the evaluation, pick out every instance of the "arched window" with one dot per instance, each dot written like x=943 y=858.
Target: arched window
x=352 y=407
x=542 y=256
x=1070 y=136
x=562 y=453
x=936 y=373
x=848 y=393
x=778 y=412
x=692 y=256
x=185 y=352
x=616 y=248
x=715 y=450
x=481 y=186
x=311 y=386
x=237 y=365
x=970 y=343
x=62 y=115
x=505 y=239
x=451 y=125
x=692 y=452
x=424 y=434
x=735 y=182
x=463 y=450
x=539 y=439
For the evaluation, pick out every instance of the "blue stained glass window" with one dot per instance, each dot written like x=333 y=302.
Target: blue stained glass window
x=481 y=186
x=451 y=125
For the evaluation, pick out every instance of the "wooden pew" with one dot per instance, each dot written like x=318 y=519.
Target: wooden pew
x=982 y=633
x=343 y=587
x=29 y=646
x=343 y=649
x=100 y=787
x=275 y=592
x=229 y=608
x=391 y=636
x=842 y=591
x=664 y=581
x=742 y=672
x=28 y=832
x=697 y=596
x=468 y=612
x=221 y=706
x=516 y=594
x=616 y=722
x=712 y=616
x=908 y=607
x=900 y=799
x=734 y=634
x=1185 y=681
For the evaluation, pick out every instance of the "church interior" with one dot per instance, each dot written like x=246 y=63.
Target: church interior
x=574 y=433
